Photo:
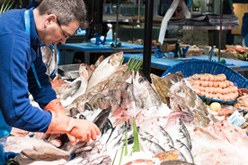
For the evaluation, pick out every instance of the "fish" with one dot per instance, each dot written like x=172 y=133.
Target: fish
x=77 y=87
x=45 y=152
x=185 y=134
x=168 y=155
x=148 y=145
x=101 y=118
x=174 y=77
x=98 y=101
x=120 y=77
x=144 y=94
x=162 y=87
x=212 y=147
x=107 y=67
x=70 y=90
x=175 y=115
x=185 y=151
x=167 y=136
x=183 y=98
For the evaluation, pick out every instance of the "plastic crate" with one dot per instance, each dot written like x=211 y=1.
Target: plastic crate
x=188 y=68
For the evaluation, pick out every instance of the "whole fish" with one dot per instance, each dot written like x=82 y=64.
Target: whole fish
x=107 y=67
x=148 y=145
x=102 y=118
x=183 y=149
x=162 y=87
x=144 y=94
x=185 y=134
x=77 y=87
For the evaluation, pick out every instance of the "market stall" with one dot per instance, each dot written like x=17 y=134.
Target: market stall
x=195 y=113
x=166 y=121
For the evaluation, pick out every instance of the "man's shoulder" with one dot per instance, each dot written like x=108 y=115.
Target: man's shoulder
x=12 y=22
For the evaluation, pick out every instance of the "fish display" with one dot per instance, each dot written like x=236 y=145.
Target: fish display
x=160 y=123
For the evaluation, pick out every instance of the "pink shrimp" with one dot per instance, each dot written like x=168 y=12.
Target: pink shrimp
x=211 y=77
x=215 y=84
x=219 y=96
x=222 y=77
x=210 y=84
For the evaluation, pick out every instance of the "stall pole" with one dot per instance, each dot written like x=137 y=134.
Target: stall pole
x=148 y=39
x=220 y=32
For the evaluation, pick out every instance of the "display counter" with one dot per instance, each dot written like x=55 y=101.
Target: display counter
x=68 y=50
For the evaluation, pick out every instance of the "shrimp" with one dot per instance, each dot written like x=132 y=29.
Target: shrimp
x=218 y=96
x=204 y=84
x=211 y=77
x=202 y=88
x=215 y=84
x=196 y=77
x=222 y=77
x=227 y=83
x=211 y=90
x=207 y=78
x=210 y=84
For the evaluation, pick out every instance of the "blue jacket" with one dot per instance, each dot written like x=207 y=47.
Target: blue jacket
x=17 y=80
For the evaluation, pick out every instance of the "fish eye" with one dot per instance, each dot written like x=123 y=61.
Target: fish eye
x=82 y=117
x=95 y=106
x=141 y=80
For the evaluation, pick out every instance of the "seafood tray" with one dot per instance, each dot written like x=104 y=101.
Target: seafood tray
x=191 y=67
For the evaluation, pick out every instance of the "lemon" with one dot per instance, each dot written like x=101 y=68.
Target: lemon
x=215 y=106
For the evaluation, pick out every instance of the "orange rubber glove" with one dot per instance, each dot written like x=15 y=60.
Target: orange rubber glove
x=82 y=130
x=56 y=106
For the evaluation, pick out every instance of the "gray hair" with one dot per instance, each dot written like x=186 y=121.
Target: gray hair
x=65 y=10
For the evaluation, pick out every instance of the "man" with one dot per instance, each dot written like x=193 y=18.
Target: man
x=23 y=72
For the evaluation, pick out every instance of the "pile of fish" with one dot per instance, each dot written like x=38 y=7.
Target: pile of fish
x=163 y=122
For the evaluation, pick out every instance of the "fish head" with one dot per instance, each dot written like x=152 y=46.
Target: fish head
x=116 y=58
x=84 y=71
x=98 y=102
x=139 y=80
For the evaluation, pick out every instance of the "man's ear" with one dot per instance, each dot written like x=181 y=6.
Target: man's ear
x=50 y=19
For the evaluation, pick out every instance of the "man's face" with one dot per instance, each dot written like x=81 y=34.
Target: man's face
x=57 y=33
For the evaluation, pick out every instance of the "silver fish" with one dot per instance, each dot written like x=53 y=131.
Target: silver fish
x=185 y=151
x=185 y=134
x=150 y=146
x=107 y=67
x=77 y=87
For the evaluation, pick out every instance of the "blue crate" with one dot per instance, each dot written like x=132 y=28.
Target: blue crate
x=188 y=68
